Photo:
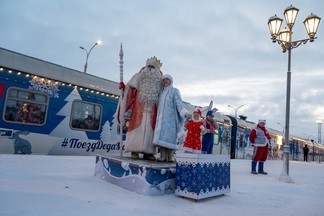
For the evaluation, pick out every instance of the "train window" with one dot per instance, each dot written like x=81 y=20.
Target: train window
x=124 y=128
x=240 y=140
x=25 y=106
x=13 y=93
x=85 y=115
x=226 y=136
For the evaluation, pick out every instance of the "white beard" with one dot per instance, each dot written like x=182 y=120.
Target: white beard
x=150 y=81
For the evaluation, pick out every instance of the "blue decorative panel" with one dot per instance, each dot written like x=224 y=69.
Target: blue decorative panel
x=140 y=176
x=200 y=176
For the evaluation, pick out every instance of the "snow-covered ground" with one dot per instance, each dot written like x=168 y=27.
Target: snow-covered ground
x=66 y=185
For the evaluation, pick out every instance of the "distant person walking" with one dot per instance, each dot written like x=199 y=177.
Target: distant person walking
x=306 y=151
x=260 y=140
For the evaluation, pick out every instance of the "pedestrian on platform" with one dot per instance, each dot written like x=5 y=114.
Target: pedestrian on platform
x=306 y=151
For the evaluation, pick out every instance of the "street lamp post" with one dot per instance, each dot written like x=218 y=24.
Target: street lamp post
x=313 y=141
x=319 y=138
x=88 y=53
x=287 y=44
x=319 y=123
x=236 y=109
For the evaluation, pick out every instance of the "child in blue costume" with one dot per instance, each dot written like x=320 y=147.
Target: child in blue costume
x=208 y=137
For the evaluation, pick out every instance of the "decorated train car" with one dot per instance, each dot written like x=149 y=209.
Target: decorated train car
x=222 y=142
x=241 y=148
x=49 y=109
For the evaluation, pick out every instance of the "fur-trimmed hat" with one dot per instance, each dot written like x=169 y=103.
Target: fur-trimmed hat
x=262 y=121
x=197 y=111
x=167 y=76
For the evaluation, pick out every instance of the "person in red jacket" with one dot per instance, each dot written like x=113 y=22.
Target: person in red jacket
x=260 y=140
x=195 y=128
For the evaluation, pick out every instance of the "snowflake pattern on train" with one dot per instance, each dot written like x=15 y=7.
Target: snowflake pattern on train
x=46 y=86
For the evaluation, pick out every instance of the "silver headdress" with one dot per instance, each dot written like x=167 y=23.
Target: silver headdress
x=153 y=61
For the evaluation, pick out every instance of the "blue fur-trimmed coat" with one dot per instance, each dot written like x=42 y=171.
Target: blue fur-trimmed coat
x=170 y=118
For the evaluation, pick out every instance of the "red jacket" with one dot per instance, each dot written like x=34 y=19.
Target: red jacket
x=253 y=134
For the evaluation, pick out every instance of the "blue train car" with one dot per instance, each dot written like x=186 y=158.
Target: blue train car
x=240 y=145
x=241 y=148
x=222 y=139
x=49 y=109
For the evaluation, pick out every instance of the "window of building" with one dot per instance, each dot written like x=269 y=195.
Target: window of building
x=25 y=106
x=85 y=115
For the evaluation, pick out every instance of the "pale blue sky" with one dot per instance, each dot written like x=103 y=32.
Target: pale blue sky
x=215 y=50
